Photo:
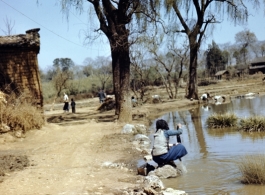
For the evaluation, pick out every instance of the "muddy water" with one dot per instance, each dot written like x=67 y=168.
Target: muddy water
x=211 y=166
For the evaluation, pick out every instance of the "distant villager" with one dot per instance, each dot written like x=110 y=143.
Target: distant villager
x=66 y=103
x=156 y=98
x=205 y=96
x=134 y=101
x=219 y=98
x=249 y=95
x=101 y=96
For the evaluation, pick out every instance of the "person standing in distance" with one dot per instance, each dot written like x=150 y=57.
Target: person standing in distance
x=73 y=105
x=101 y=96
x=66 y=103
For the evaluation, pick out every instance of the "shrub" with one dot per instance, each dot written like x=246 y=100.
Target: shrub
x=206 y=83
x=222 y=120
x=252 y=169
x=22 y=117
x=20 y=114
x=253 y=123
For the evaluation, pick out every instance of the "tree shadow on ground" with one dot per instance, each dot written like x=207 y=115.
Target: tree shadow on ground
x=81 y=118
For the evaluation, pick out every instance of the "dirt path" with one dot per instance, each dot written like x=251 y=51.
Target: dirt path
x=68 y=160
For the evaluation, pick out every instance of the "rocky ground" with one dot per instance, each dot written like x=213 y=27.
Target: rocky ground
x=85 y=153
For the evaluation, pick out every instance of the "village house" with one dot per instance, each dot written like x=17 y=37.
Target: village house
x=19 y=65
x=257 y=65
x=222 y=74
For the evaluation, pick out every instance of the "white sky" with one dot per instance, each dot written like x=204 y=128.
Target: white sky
x=61 y=39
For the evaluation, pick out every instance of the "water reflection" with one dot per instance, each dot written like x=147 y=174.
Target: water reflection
x=197 y=122
x=214 y=154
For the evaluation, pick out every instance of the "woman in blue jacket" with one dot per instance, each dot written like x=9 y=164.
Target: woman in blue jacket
x=163 y=153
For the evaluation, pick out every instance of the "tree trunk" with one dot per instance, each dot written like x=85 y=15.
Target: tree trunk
x=116 y=79
x=121 y=79
x=192 y=88
x=125 y=112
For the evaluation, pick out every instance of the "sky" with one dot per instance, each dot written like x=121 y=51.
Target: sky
x=62 y=38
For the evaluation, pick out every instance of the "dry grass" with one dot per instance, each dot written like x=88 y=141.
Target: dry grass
x=222 y=120
x=252 y=169
x=19 y=114
x=23 y=117
x=253 y=123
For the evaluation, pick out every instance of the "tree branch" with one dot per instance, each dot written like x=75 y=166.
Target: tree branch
x=185 y=26
x=100 y=15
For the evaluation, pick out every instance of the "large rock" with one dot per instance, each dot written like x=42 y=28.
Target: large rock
x=166 y=171
x=142 y=143
x=140 y=128
x=134 y=129
x=153 y=182
x=128 y=129
x=170 y=191
x=141 y=138
x=4 y=128
x=147 y=190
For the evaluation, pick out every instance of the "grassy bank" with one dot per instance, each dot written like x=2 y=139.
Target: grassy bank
x=222 y=120
x=252 y=169
x=250 y=124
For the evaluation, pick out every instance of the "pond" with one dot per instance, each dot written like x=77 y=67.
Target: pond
x=211 y=166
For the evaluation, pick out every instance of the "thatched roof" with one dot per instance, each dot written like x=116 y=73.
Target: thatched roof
x=31 y=38
x=221 y=72
x=258 y=60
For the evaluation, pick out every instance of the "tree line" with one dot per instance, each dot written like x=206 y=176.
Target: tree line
x=150 y=67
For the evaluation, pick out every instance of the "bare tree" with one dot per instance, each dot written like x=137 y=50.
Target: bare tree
x=103 y=70
x=9 y=26
x=75 y=83
x=88 y=67
x=262 y=49
x=60 y=81
x=245 y=39
x=259 y=49
x=195 y=25
x=167 y=62
x=62 y=75
x=142 y=72
x=229 y=49
x=182 y=63
x=170 y=64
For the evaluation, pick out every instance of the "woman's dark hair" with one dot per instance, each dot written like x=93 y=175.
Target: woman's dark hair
x=161 y=124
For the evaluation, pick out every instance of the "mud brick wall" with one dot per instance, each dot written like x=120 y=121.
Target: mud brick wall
x=19 y=64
